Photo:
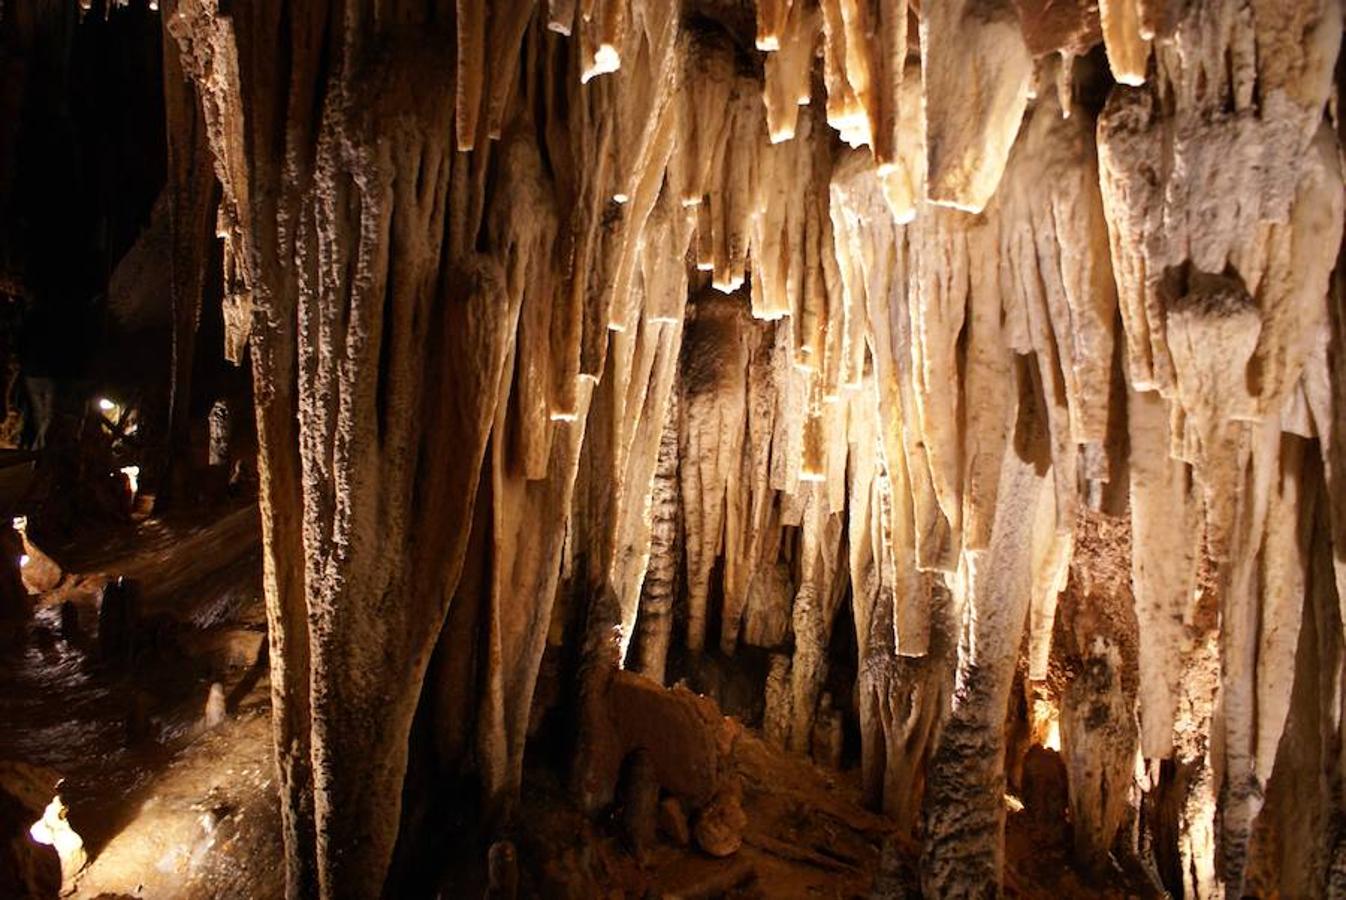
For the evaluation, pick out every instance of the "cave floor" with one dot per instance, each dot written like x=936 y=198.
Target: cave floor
x=169 y=807
x=166 y=806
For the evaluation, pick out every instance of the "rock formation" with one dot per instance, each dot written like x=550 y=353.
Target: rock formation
x=679 y=337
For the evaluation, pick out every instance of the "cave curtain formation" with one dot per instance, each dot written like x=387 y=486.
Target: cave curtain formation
x=460 y=240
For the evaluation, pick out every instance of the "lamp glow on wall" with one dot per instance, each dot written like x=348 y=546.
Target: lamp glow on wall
x=109 y=409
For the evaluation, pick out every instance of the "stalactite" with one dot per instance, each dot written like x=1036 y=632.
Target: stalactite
x=937 y=298
x=526 y=571
x=1216 y=314
x=1124 y=34
x=361 y=425
x=972 y=106
x=749 y=500
x=471 y=70
x=987 y=380
x=788 y=73
x=649 y=392
x=1324 y=389
x=778 y=242
x=713 y=412
x=522 y=491
x=1223 y=347
x=869 y=247
x=1165 y=550
x=210 y=56
x=1055 y=255
x=1283 y=584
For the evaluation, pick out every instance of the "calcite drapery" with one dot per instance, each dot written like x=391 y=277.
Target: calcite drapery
x=904 y=393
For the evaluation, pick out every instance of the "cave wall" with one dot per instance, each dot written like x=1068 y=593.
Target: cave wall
x=81 y=162
x=716 y=320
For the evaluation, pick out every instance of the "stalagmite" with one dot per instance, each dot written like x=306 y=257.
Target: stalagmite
x=963 y=810
x=776 y=717
x=1098 y=637
x=815 y=607
x=661 y=576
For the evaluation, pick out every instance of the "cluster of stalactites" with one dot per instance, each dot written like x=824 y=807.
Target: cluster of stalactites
x=889 y=284
x=972 y=85
x=1223 y=189
x=844 y=410
x=897 y=288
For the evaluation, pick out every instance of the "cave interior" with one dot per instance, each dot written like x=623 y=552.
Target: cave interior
x=672 y=449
